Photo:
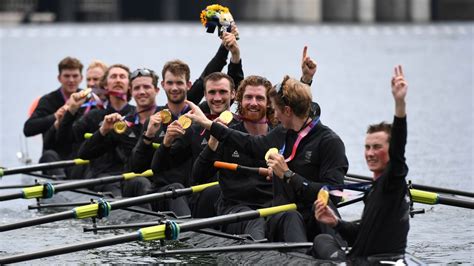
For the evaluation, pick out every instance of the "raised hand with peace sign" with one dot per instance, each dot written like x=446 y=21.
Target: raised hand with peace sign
x=399 y=91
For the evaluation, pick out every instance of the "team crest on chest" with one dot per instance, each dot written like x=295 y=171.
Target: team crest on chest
x=162 y=134
x=204 y=142
x=235 y=154
x=132 y=134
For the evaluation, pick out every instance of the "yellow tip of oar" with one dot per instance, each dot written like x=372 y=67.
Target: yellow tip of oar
x=155 y=145
x=425 y=197
x=1 y=172
x=80 y=161
x=277 y=209
x=87 y=135
x=147 y=173
x=33 y=192
x=200 y=188
x=152 y=232
x=86 y=211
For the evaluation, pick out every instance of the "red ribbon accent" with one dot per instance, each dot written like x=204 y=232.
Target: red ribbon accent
x=301 y=135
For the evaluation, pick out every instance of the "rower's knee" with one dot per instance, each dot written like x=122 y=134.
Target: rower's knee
x=326 y=247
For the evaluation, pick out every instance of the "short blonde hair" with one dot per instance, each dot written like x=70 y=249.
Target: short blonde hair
x=97 y=63
x=293 y=93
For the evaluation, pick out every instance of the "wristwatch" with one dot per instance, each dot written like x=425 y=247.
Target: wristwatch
x=287 y=175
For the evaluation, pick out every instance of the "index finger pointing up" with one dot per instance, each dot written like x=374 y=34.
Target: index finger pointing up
x=305 y=51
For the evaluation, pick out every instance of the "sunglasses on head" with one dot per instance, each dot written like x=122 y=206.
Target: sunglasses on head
x=142 y=72
x=279 y=89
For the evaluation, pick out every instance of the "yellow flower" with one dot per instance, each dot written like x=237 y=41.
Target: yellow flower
x=203 y=18
x=211 y=11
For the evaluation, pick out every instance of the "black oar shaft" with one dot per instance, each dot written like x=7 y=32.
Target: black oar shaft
x=11 y=196
x=237 y=248
x=451 y=201
x=424 y=187
x=38 y=220
x=119 y=226
x=64 y=187
x=58 y=205
x=87 y=183
x=72 y=248
x=120 y=204
x=41 y=166
x=224 y=219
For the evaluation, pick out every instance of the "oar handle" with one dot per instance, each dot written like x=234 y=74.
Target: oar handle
x=224 y=165
x=235 y=167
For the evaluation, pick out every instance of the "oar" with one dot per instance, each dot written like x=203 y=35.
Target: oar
x=41 y=166
x=425 y=197
x=103 y=208
x=27 y=185
x=236 y=248
x=423 y=187
x=235 y=167
x=432 y=198
x=48 y=190
x=154 y=144
x=170 y=230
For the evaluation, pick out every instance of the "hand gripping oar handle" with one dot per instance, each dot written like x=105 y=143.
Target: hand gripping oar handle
x=164 y=231
x=154 y=144
x=235 y=167
x=48 y=190
x=102 y=209
x=41 y=166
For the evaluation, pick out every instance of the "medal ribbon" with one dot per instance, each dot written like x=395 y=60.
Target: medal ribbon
x=301 y=135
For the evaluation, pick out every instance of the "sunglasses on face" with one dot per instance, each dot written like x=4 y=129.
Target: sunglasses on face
x=142 y=72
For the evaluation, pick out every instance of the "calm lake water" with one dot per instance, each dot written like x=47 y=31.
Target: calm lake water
x=355 y=64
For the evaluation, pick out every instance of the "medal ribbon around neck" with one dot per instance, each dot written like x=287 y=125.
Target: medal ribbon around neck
x=301 y=135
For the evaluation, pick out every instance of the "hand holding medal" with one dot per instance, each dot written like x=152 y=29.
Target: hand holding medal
x=323 y=196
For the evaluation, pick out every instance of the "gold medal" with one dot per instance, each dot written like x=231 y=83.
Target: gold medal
x=165 y=116
x=270 y=151
x=226 y=117
x=185 y=121
x=323 y=195
x=85 y=92
x=120 y=127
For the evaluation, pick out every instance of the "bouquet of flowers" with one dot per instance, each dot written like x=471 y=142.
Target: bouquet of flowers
x=217 y=16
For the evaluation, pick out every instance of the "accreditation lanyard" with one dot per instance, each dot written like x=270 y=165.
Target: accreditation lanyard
x=119 y=95
x=136 y=117
x=94 y=101
x=65 y=98
x=301 y=135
